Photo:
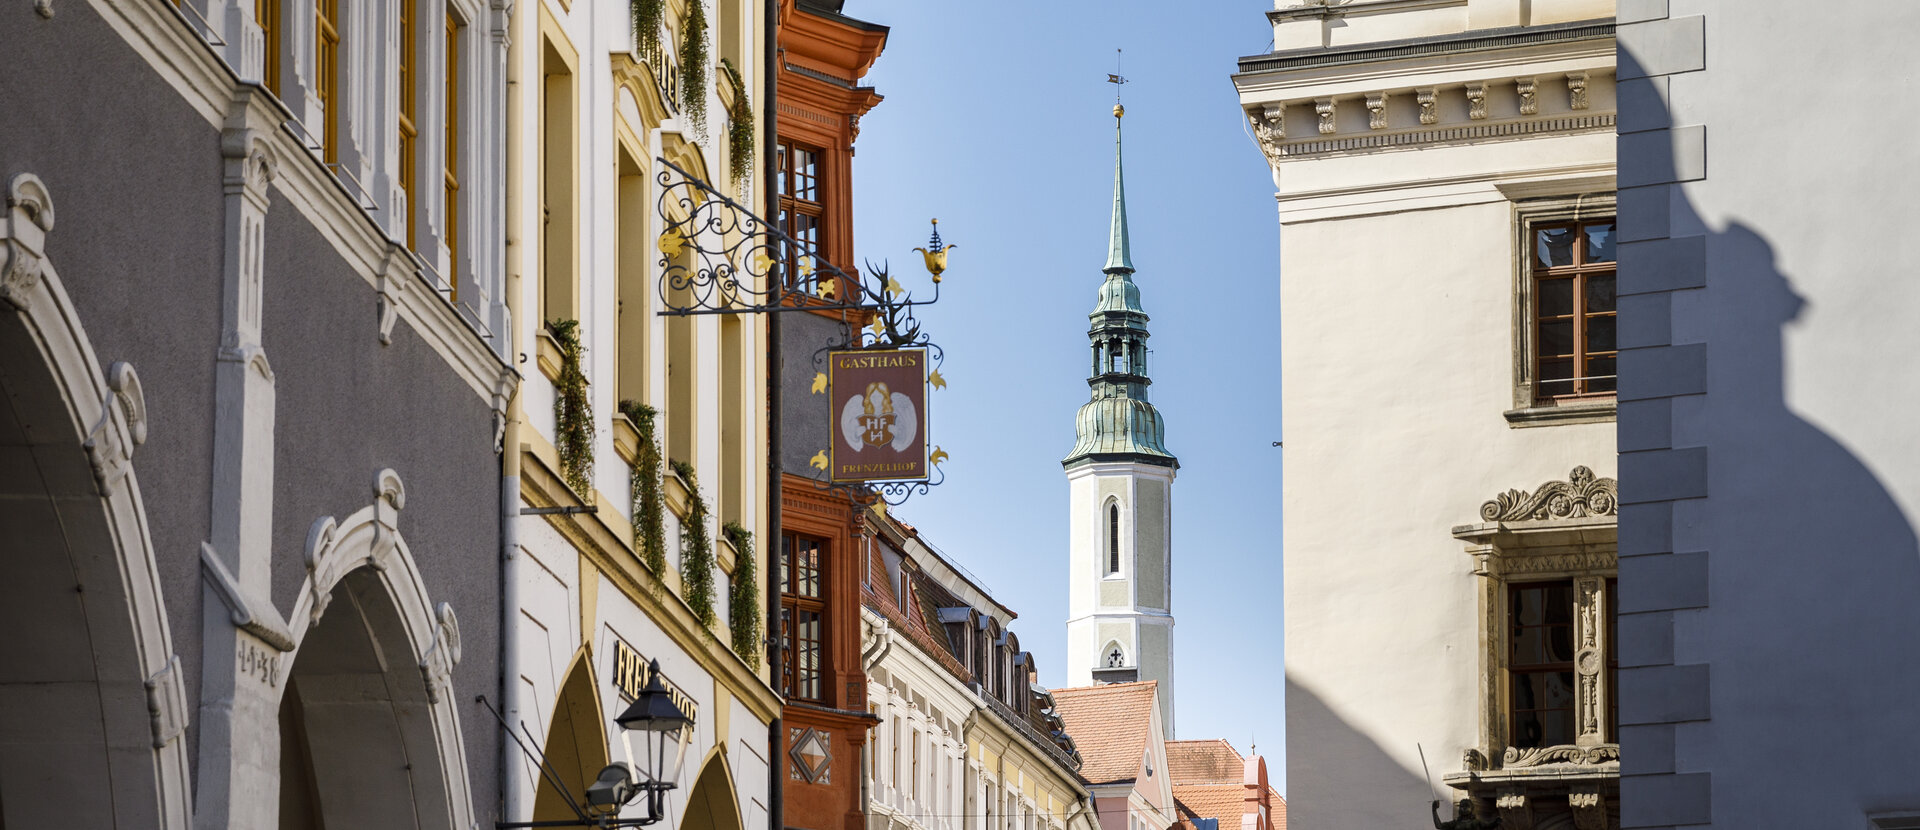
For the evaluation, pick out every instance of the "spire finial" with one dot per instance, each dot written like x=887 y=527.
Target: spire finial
x=1118 y=258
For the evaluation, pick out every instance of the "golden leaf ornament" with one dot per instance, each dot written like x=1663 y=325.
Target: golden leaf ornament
x=819 y=382
x=819 y=459
x=936 y=381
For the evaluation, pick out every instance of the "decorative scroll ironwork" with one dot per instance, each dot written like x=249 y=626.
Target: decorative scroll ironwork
x=719 y=257
x=1580 y=496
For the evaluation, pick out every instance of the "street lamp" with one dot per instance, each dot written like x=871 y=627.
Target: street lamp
x=663 y=726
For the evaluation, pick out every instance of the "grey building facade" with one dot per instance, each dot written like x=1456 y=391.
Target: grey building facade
x=248 y=436
x=1768 y=561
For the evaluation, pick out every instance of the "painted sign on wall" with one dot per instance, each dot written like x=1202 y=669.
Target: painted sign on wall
x=879 y=414
x=630 y=676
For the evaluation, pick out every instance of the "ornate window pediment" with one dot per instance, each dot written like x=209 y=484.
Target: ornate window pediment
x=1546 y=561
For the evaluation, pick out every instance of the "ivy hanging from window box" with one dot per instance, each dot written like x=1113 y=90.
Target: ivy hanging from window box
x=649 y=529
x=647 y=16
x=743 y=598
x=740 y=137
x=693 y=66
x=572 y=412
x=696 y=550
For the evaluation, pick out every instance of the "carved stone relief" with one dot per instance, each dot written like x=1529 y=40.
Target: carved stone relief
x=1516 y=758
x=167 y=703
x=107 y=449
x=1577 y=90
x=29 y=219
x=1477 y=101
x=1269 y=129
x=1589 y=807
x=1581 y=495
x=436 y=666
x=1529 y=102
x=1325 y=108
x=1377 y=111
x=1429 y=104
x=1589 y=659
x=1516 y=810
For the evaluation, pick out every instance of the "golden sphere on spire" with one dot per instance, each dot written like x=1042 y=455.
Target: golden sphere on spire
x=1119 y=111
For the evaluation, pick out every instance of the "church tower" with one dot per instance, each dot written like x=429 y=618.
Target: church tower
x=1120 y=620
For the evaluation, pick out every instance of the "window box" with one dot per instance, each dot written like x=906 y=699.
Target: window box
x=547 y=354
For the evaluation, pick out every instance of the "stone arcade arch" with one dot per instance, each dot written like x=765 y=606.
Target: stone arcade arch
x=91 y=709
x=713 y=804
x=576 y=743
x=369 y=732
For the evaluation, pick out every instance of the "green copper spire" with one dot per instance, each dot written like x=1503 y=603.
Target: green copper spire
x=1118 y=423
x=1117 y=256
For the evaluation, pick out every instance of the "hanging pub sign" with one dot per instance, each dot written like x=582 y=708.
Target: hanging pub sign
x=879 y=414
x=630 y=676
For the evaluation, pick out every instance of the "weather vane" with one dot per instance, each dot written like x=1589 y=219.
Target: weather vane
x=1116 y=79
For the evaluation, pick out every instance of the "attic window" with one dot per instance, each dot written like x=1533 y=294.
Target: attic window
x=1148 y=760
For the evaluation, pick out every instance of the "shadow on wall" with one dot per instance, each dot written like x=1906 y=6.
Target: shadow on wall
x=1812 y=627
x=1318 y=800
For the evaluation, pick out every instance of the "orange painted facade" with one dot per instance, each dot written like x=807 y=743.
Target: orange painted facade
x=823 y=55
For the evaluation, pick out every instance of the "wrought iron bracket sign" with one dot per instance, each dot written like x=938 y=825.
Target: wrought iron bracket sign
x=718 y=257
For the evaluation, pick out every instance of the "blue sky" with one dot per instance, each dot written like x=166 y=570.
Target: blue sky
x=997 y=120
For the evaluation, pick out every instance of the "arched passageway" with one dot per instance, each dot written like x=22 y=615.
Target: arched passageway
x=358 y=746
x=90 y=697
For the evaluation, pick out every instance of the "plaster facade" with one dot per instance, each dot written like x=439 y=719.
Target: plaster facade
x=1410 y=144
x=307 y=602
x=596 y=110
x=1766 y=480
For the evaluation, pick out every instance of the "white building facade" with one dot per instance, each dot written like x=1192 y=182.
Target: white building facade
x=1444 y=175
x=635 y=475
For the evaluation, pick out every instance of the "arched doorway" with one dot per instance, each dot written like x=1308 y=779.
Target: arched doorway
x=576 y=744
x=357 y=739
x=91 y=714
x=713 y=804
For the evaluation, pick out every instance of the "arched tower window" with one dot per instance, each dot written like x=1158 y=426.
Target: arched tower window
x=1113 y=537
x=1116 y=659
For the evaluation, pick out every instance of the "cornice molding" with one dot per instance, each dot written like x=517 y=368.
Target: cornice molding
x=1485 y=40
x=1479 y=132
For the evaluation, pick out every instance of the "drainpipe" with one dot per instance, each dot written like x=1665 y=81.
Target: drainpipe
x=510 y=807
x=882 y=646
x=1081 y=806
x=776 y=732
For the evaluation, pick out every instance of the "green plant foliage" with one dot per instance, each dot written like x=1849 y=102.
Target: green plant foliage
x=649 y=529
x=740 y=137
x=572 y=412
x=647 y=15
x=743 y=598
x=696 y=550
x=693 y=66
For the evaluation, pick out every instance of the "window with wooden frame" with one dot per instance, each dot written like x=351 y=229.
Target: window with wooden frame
x=409 y=116
x=451 y=173
x=1574 y=309
x=1550 y=626
x=326 y=86
x=803 y=611
x=801 y=211
x=266 y=13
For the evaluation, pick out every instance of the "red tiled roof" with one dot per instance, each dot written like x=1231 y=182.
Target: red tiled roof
x=1212 y=761
x=1109 y=725
x=1224 y=802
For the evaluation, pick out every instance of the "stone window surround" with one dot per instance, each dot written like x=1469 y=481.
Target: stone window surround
x=1528 y=213
x=1111 y=504
x=1562 y=530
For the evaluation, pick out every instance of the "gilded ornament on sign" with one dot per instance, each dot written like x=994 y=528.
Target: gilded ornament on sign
x=936 y=381
x=935 y=253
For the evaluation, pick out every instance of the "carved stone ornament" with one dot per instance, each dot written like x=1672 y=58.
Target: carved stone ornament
x=1477 y=101
x=1473 y=760
x=167 y=703
x=1269 y=129
x=1586 y=756
x=1589 y=807
x=1429 y=104
x=1529 y=101
x=1516 y=810
x=323 y=539
x=1580 y=496
x=29 y=219
x=1324 y=106
x=111 y=450
x=395 y=275
x=436 y=665
x=1577 y=90
x=1377 y=111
